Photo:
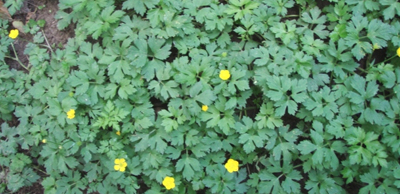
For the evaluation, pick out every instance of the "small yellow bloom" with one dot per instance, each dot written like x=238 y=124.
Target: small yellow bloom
x=204 y=108
x=398 y=52
x=118 y=132
x=71 y=114
x=169 y=182
x=224 y=74
x=120 y=164
x=44 y=141
x=232 y=165
x=13 y=34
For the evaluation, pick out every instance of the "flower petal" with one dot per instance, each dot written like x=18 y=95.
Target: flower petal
x=224 y=74
x=122 y=169
x=232 y=165
x=13 y=34
x=117 y=167
x=169 y=182
x=398 y=52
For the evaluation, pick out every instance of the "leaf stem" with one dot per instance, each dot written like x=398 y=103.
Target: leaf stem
x=369 y=60
x=16 y=57
x=40 y=170
x=291 y=16
x=388 y=59
x=363 y=70
x=44 y=35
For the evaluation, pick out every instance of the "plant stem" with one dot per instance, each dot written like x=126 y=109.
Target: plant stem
x=44 y=35
x=363 y=70
x=388 y=59
x=16 y=57
x=369 y=60
x=37 y=168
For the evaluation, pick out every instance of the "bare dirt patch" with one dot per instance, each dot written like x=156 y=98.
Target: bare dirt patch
x=38 y=10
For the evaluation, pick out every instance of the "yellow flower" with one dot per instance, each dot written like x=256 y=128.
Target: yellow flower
x=169 y=182
x=44 y=141
x=13 y=34
x=224 y=74
x=118 y=132
x=232 y=165
x=398 y=52
x=71 y=114
x=204 y=108
x=120 y=164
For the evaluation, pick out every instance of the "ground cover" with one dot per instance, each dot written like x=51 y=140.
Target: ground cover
x=199 y=96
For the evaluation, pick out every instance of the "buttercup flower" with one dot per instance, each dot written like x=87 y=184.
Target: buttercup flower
x=71 y=114
x=169 y=182
x=204 y=108
x=13 y=34
x=224 y=74
x=120 y=164
x=118 y=132
x=232 y=165
x=44 y=141
x=398 y=52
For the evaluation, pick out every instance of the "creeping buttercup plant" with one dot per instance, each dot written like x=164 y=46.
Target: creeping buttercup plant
x=205 y=96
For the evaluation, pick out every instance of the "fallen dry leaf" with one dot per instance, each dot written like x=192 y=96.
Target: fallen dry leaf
x=4 y=14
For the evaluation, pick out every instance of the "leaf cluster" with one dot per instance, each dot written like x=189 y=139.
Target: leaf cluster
x=311 y=104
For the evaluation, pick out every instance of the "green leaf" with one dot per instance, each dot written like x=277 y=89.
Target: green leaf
x=49 y=184
x=306 y=147
x=379 y=32
x=140 y=6
x=189 y=166
x=126 y=89
x=212 y=116
x=262 y=54
x=392 y=9
x=290 y=186
x=54 y=107
x=266 y=117
x=281 y=6
x=169 y=124
x=286 y=31
x=226 y=123
x=138 y=53
x=231 y=103
x=159 y=47
x=250 y=142
x=314 y=18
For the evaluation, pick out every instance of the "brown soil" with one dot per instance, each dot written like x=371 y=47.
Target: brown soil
x=55 y=37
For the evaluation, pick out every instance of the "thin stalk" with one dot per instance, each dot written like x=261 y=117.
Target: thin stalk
x=369 y=60
x=388 y=59
x=16 y=57
x=44 y=35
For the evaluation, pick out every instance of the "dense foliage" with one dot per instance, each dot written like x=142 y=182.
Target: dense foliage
x=153 y=95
